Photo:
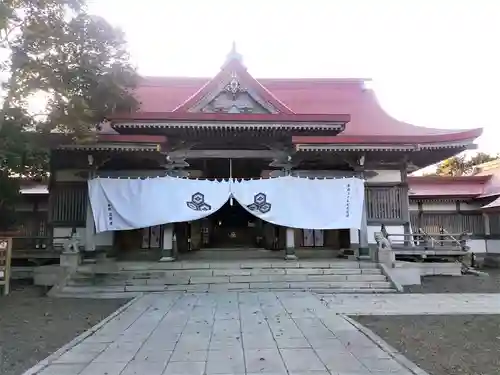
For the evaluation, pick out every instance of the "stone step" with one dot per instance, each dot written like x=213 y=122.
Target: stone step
x=94 y=295
x=184 y=279
x=129 y=295
x=195 y=265
x=318 y=285
x=126 y=275
x=327 y=276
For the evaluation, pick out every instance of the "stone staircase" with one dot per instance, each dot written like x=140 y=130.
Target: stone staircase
x=116 y=279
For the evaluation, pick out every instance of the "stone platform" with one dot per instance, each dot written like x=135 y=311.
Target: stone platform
x=127 y=278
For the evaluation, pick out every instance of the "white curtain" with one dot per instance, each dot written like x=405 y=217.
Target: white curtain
x=121 y=204
x=302 y=202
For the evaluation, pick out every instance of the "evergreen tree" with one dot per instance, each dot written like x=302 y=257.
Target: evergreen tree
x=75 y=61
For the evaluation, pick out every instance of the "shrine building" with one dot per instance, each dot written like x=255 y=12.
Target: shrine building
x=235 y=125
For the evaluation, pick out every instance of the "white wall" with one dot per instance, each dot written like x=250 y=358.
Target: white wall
x=444 y=206
x=391 y=229
x=439 y=206
x=477 y=246
x=382 y=176
x=493 y=246
x=385 y=176
x=470 y=206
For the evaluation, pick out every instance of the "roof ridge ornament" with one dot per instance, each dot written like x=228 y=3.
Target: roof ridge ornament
x=234 y=55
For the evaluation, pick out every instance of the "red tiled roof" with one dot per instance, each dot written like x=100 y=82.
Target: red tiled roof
x=491 y=169
x=368 y=123
x=493 y=206
x=444 y=187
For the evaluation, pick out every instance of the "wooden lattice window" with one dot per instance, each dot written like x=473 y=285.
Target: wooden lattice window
x=68 y=204
x=385 y=203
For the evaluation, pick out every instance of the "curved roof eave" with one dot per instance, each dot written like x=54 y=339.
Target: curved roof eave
x=465 y=137
x=372 y=108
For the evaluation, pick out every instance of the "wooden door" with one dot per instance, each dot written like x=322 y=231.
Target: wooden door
x=181 y=231
x=196 y=235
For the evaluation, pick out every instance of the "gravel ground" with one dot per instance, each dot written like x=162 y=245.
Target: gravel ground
x=443 y=345
x=459 y=284
x=33 y=326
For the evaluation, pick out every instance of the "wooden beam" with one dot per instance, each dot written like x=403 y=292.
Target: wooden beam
x=227 y=154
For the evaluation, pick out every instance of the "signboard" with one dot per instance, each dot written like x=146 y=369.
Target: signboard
x=5 y=259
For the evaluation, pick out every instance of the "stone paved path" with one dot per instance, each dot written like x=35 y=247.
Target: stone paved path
x=226 y=333
x=413 y=304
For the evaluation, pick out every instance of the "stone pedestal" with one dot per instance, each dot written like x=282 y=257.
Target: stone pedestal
x=70 y=260
x=387 y=257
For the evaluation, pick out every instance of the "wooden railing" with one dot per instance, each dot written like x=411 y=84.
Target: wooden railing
x=37 y=246
x=442 y=243
x=422 y=245
x=442 y=239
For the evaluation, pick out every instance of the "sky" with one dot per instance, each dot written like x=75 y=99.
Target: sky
x=433 y=63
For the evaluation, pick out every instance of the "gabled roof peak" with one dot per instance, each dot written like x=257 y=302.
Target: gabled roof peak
x=233 y=80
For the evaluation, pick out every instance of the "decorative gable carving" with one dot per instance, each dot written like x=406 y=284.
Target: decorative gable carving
x=228 y=103
x=233 y=90
x=233 y=97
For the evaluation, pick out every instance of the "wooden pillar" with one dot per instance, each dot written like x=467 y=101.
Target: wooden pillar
x=420 y=215
x=168 y=251
x=364 y=250
x=290 y=244
x=290 y=232
x=487 y=228
x=405 y=205
x=89 y=218
x=89 y=229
